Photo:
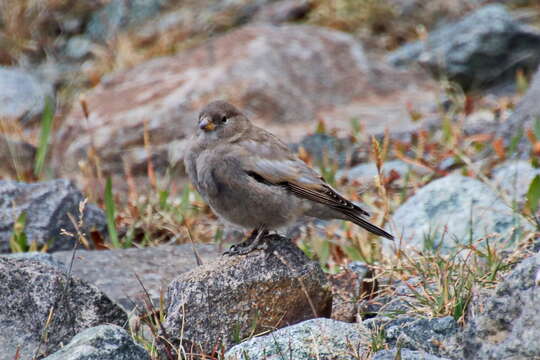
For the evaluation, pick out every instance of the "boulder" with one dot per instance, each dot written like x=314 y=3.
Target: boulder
x=508 y=323
x=43 y=308
x=22 y=95
x=115 y=271
x=483 y=49
x=235 y=297
x=46 y=205
x=283 y=77
x=323 y=339
x=104 y=342
x=452 y=211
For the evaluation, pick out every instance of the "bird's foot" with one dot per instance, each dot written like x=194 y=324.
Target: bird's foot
x=254 y=242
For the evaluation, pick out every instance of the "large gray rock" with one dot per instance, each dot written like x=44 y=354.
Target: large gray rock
x=114 y=271
x=104 y=342
x=454 y=210
x=22 y=95
x=235 y=297
x=29 y=291
x=483 y=49
x=514 y=178
x=323 y=339
x=508 y=323
x=47 y=205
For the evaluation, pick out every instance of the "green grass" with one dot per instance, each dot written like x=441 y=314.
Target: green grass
x=47 y=120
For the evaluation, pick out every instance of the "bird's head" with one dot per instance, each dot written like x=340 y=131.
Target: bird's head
x=221 y=120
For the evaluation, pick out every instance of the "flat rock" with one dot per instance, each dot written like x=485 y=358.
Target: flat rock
x=283 y=77
x=449 y=211
x=508 y=322
x=114 y=271
x=45 y=258
x=320 y=338
x=47 y=205
x=483 y=49
x=238 y=296
x=22 y=95
x=104 y=342
x=29 y=290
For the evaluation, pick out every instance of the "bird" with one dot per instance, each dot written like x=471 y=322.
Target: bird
x=251 y=179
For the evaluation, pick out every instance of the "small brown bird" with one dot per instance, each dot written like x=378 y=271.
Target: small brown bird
x=252 y=180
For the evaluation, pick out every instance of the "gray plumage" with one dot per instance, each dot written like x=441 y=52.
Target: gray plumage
x=252 y=180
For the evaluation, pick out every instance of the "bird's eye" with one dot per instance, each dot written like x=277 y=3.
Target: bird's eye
x=224 y=119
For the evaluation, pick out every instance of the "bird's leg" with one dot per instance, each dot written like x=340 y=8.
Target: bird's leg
x=252 y=243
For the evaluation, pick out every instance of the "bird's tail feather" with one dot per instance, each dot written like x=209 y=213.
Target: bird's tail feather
x=357 y=219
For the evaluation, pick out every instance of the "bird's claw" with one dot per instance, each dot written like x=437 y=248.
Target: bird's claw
x=251 y=244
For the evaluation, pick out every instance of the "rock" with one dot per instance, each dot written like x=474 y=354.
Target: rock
x=104 y=342
x=434 y=336
x=106 y=22
x=404 y=354
x=78 y=47
x=238 y=296
x=22 y=95
x=283 y=11
x=508 y=324
x=366 y=173
x=46 y=205
x=16 y=157
x=323 y=339
x=113 y=271
x=514 y=178
x=523 y=117
x=29 y=290
x=483 y=49
x=454 y=210
x=354 y=282
x=41 y=257
x=283 y=77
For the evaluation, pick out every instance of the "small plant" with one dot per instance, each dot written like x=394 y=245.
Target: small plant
x=19 y=241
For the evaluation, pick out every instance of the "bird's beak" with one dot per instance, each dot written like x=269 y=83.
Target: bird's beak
x=206 y=124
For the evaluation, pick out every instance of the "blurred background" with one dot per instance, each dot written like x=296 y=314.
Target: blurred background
x=109 y=90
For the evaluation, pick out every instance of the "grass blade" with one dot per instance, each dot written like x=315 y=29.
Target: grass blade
x=533 y=195
x=45 y=136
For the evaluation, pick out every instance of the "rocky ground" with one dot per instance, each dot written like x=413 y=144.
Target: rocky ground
x=425 y=112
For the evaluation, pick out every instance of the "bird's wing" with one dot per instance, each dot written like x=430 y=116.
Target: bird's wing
x=269 y=160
